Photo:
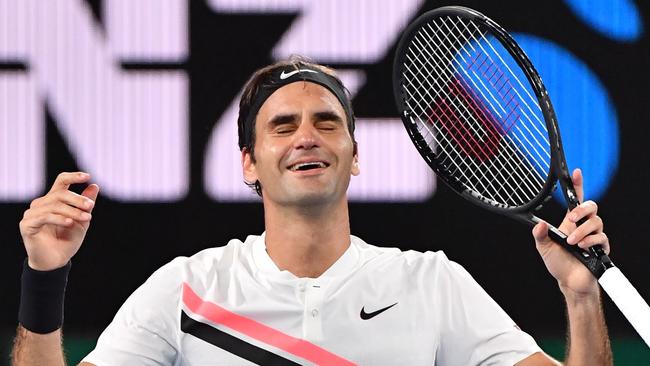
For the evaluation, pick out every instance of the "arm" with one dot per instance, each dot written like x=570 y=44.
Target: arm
x=33 y=348
x=52 y=229
x=48 y=347
x=588 y=342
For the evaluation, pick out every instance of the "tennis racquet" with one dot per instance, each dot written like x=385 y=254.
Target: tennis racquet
x=478 y=113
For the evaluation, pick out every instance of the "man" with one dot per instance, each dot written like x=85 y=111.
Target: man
x=293 y=294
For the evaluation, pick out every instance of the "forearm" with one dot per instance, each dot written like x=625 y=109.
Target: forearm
x=588 y=342
x=37 y=349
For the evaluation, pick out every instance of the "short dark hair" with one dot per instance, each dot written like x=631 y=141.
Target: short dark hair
x=257 y=81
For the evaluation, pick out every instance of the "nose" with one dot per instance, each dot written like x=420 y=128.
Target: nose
x=306 y=137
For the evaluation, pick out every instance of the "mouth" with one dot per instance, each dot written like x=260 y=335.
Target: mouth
x=308 y=165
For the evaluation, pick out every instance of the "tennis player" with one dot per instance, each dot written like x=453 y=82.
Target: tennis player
x=305 y=291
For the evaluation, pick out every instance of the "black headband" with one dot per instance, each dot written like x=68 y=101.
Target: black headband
x=280 y=78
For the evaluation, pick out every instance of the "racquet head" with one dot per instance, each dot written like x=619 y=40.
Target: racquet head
x=478 y=112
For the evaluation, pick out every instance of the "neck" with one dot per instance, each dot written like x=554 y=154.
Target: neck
x=306 y=241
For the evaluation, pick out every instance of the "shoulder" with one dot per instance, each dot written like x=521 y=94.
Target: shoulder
x=155 y=303
x=415 y=270
x=411 y=261
x=148 y=323
x=166 y=283
x=206 y=262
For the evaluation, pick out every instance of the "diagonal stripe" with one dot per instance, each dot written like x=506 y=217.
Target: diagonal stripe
x=231 y=343
x=259 y=331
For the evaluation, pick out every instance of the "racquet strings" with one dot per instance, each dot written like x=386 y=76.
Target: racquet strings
x=475 y=109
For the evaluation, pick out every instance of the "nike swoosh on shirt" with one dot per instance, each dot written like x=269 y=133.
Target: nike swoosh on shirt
x=284 y=75
x=366 y=316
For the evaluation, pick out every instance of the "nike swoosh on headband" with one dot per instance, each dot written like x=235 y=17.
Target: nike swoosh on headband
x=284 y=75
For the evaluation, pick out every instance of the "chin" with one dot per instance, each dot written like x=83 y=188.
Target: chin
x=312 y=198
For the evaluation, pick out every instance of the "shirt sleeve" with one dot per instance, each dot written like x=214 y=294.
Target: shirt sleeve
x=144 y=330
x=475 y=330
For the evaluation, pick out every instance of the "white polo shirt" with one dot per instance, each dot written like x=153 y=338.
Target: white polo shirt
x=375 y=306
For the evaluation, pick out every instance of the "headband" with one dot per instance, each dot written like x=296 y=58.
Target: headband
x=284 y=76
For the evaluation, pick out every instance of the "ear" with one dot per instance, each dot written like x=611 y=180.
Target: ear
x=248 y=166
x=355 y=165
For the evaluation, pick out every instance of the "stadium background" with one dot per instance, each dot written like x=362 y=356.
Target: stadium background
x=165 y=155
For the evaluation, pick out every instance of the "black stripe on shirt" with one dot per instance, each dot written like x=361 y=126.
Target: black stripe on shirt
x=230 y=343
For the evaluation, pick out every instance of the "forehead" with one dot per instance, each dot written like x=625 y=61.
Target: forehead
x=299 y=95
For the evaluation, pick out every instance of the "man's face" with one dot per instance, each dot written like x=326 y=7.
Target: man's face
x=304 y=153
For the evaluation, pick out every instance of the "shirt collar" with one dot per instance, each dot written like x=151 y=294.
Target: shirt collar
x=344 y=265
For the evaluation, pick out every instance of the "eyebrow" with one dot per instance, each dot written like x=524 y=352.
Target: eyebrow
x=281 y=119
x=327 y=116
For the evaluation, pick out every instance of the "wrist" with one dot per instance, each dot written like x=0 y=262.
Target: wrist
x=581 y=298
x=45 y=263
x=41 y=298
x=44 y=268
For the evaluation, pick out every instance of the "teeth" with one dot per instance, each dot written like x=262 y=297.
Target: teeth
x=311 y=164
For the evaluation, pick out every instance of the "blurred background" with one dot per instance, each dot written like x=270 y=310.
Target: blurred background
x=143 y=95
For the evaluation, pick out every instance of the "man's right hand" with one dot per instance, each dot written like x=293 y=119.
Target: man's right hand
x=55 y=225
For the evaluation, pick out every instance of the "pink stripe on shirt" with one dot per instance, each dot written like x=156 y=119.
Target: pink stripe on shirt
x=259 y=331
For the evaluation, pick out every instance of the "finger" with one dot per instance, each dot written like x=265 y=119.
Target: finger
x=36 y=202
x=70 y=198
x=59 y=208
x=567 y=225
x=540 y=234
x=33 y=224
x=584 y=210
x=91 y=192
x=64 y=180
x=592 y=226
x=578 y=181
x=595 y=239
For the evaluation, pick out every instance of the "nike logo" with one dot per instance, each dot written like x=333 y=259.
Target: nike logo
x=284 y=75
x=366 y=316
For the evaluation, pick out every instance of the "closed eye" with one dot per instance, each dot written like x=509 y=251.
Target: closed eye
x=327 y=121
x=283 y=123
x=284 y=129
x=327 y=126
